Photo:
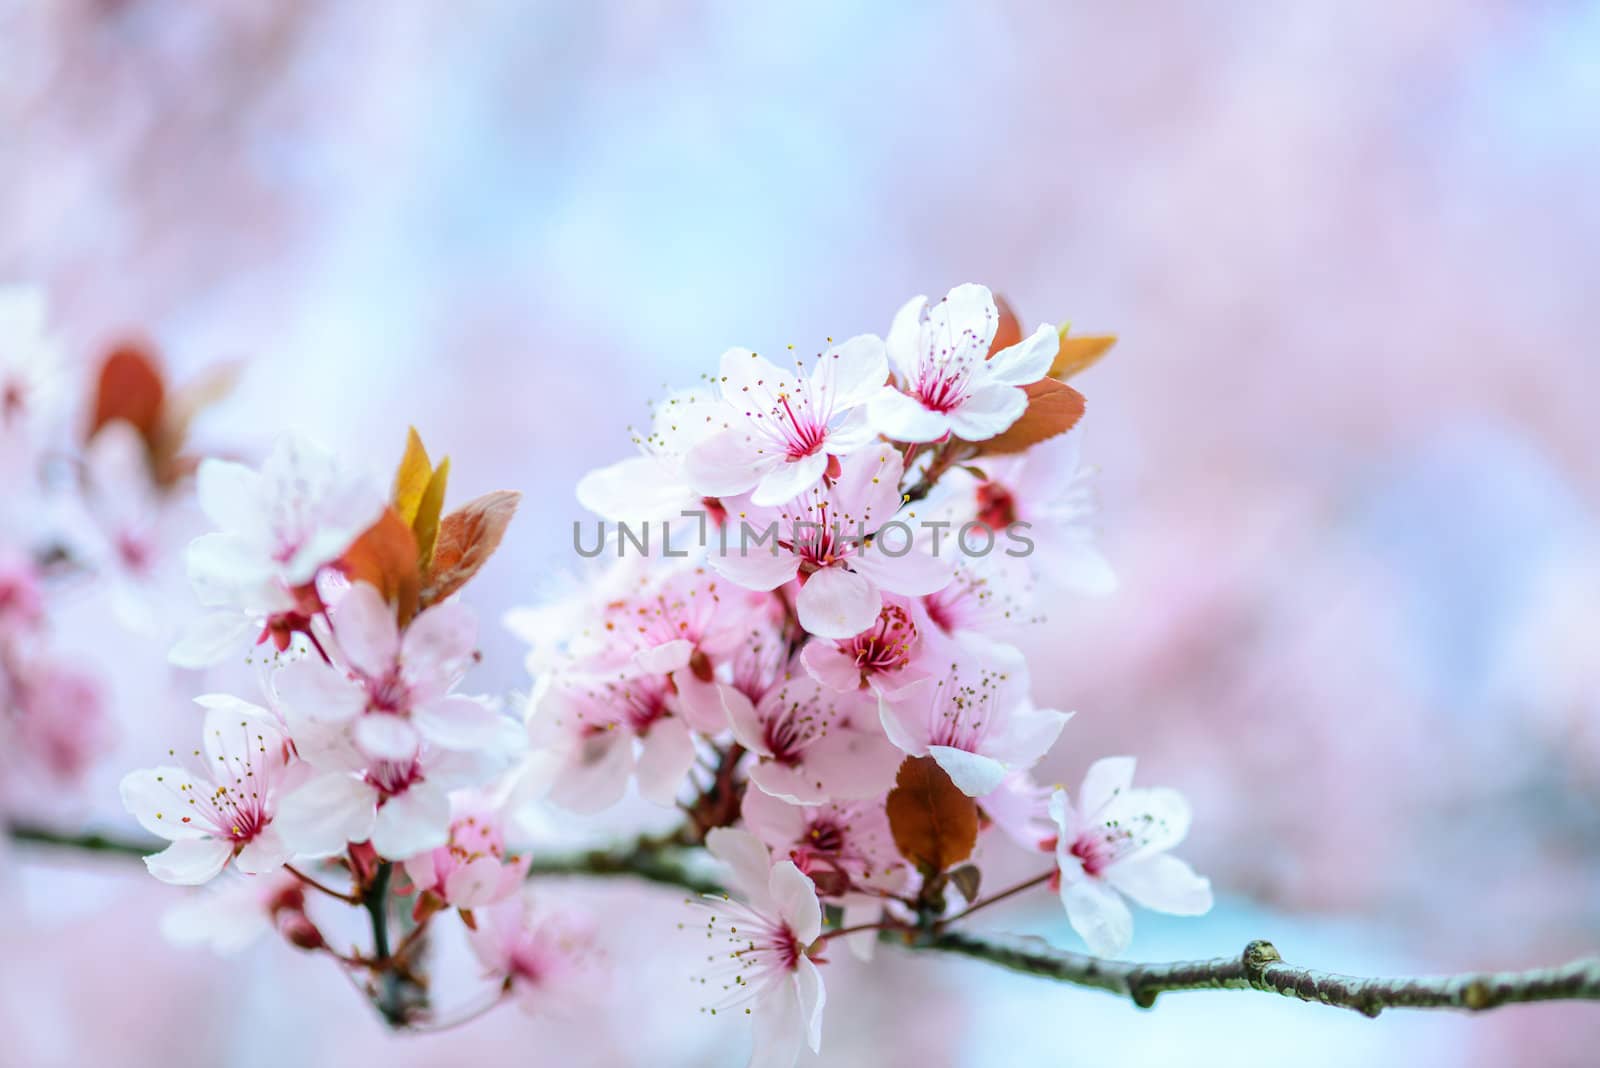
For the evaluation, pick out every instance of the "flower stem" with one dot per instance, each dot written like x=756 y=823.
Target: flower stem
x=349 y=899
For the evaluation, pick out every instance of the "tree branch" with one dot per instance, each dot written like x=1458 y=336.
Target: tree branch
x=667 y=861
x=1260 y=967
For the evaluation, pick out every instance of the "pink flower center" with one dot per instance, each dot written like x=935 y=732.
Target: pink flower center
x=388 y=694
x=886 y=646
x=391 y=777
x=997 y=508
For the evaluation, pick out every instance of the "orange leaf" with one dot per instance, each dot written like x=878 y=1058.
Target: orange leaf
x=131 y=389
x=1053 y=408
x=1079 y=353
x=934 y=824
x=386 y=556
x=468 y=536
x=1009 y=330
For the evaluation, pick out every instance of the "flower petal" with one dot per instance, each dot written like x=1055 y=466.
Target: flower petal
x=458 y=722
x=749 y=863
x=1028 y=360
x=990 y=410
x=852 y=372
x=438 y=648
x=159 y=799
x=191 y=861
x=788 y=479
x=1099 y=915
x=367 y=631
x=387 y=737
x=835 y=603
x=412 y=821
x=727 y=463
x=795 y=897
x=326 y=814
x=973 y=773
x=665 y=756
x=902 y=418
x=1163 y=883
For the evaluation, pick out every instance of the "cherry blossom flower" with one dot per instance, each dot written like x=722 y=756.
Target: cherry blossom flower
x=397 y=691
x=887 y=656
x=986 y=600
x=832 y=538
x=844 y=847
x=975 y=720
x=54 y=719
x=1113 y=844
x=1046 y=487
x=225 y=809
x=654 y=486
x=950 y=383
x=473 y=868
x=598 y=732
x=280 y=526
x=784 y=425
x=21 y=606
x=546 y=960
x=764 y=964
x=682 y=622
x=401 y=806
x=810 y=743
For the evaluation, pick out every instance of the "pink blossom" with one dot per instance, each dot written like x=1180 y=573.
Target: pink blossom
x=975 y=720
x=279 y=527
x=949 y=384
x=764 y=940
x=1113 y=843
x=231 y=914
x=56 y=719
x=887 y=656
x=396 y=692
x=546 y=960
x=473 y=868
x=21 y=607
x=1047 y=488
x=832 y=538
x=811 y=743
x=598 y=732
x=782 y=426
x=225 y=809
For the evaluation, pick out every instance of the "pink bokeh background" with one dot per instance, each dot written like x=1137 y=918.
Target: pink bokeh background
x=1349 y=441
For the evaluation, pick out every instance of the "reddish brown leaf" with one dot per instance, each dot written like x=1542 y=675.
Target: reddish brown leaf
x=130 y=388
x=467 y=538
x=181 y=407
x=934 y=824
x=1009 y=330
x=1053 y=408
x=386 y=556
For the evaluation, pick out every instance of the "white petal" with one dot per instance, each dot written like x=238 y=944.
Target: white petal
x=387 y=737
x=1099 y=915
x=905 y=717
x=311 y=692
x=745 y=720
x=1163 y=883
x=780 y=1029
x=973 y=774
x=367 y=631
x=788 y=479
x=637 y=489
x=1105 y=779
x=152 y=796
x=835 y=603
x=753 y=567
x=1159 y=816
x=325 y=815
x=665 y=756
x=439 y=646
x=596 y=773
x=411 y=822
x=458 y=722
x=727 y=463
x=222 y=566
x=851 y=432
x=990 y=410
x=904 y=343
x=830 y=666
x=211 y=638
x=1029 y=735
x=913 y=574
x=266 y=852
x=902 y=418
x=1026 y=361
x=813 y=997
x=795 y=897
x=665 y=658
x=476 y=883
x=852 y=372
x=191 y=861
x=749 y=863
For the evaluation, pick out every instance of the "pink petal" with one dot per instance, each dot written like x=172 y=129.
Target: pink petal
x=835 y=603
x=902 y=418
x=367 y=631
x=989 y=411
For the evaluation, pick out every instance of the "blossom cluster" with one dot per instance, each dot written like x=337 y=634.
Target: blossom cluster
x=824 y=679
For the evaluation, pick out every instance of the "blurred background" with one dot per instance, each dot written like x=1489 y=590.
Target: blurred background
x=1350 y=440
